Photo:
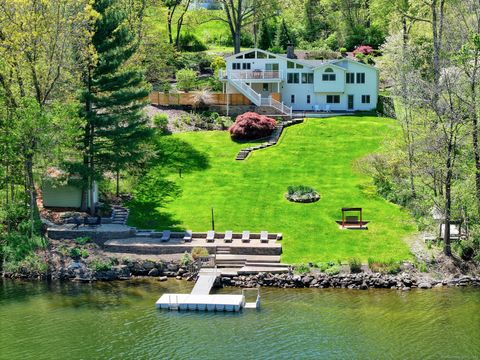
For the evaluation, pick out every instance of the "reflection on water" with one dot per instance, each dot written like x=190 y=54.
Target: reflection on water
x=118 y=320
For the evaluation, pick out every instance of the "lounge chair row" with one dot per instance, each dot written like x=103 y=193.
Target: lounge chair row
x=227 y=237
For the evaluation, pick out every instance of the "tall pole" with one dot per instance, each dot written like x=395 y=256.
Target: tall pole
x=213 y=220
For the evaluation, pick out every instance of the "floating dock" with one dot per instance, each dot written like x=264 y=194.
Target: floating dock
x=201 y=299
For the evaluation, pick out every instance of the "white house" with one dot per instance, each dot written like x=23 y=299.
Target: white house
x=287 y=83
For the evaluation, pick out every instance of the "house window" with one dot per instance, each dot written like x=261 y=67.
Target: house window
x=333 y=99
x=246 y=66
x=307 y=78
x=250 y=55
x=292 y=99
x=236 y=66
x=298 y=66
x=350 y=78
x=290 y=65
x=265 y=86
x=360 y=78
x=308 y=99
x=365 y=99
x=328 y=76
x=293 y=78
x=261 y=55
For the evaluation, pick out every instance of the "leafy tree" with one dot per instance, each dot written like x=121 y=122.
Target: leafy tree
x=242 y=13
x=113 y=98
x=316 y=21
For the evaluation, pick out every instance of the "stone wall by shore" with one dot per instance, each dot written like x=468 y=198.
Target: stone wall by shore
x=162 y=270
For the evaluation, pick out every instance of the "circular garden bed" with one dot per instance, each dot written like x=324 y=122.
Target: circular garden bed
x=302 y=194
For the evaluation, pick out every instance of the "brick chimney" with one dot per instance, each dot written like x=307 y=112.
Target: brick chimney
x=291 y=51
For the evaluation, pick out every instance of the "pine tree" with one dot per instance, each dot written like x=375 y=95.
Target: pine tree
x=113 y=98
x=266 y=35
x=283 y=36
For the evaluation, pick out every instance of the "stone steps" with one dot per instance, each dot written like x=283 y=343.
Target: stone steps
x=242 y=154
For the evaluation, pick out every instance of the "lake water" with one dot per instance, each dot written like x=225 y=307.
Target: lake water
x=118 y=320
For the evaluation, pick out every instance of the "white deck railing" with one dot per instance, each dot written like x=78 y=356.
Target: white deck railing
x=251 y=74
x=247 y=90
x=280 y=106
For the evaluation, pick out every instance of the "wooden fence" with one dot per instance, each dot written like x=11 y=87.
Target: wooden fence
x=158 y=98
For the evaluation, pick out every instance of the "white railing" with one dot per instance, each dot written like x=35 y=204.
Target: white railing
x=247 y=90
x=250 y=74
x=280 y=106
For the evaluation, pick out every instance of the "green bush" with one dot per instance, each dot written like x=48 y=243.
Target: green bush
x=161 y=122
x=355 y=265
x=186 y=79
x=101 y=265
x=83 y=240
x=186 y=259
x=302 y=268
x=384 y=267
x=31 y=262
x=189 y=42
x=75 y=253
x=334 y=270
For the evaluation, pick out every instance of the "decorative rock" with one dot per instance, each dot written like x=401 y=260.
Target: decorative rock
x=154 y=272
x=162 y=278
x=424 y=285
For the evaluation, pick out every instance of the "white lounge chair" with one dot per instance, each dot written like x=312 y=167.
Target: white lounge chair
x=316 y=108
x=210 y=236
x=188 y=236
x=327 y=108
x=228 y=236
x=264 y=236
x=246 y=236
x=165 y=235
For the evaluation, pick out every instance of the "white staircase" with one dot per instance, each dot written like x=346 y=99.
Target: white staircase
x=244 y=88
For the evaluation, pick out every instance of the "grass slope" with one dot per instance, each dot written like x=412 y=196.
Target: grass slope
x=250 y=194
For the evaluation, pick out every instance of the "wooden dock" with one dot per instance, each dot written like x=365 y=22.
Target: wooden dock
x=201 y=299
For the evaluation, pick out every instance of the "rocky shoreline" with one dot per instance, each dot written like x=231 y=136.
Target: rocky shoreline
x=162 y=270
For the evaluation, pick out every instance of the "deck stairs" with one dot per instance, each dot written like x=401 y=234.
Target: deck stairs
x=244 y=88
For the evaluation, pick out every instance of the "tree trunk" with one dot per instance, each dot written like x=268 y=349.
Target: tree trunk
x=118 y=183
x=448 y=201
x=32 y=196
x=236 y=42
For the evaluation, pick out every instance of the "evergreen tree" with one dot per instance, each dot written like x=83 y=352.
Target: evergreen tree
x=283 y=36
x=113 y=98
x=266 y=35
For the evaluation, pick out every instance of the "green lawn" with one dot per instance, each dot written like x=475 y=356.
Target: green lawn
x=250 y=194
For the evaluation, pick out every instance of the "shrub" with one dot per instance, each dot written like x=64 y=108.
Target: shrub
x=334 y=270
x=186 y=259
x=186 y=79
x=101 y=265
x=161 y=122
x=189 y=42
x=465 y=249
x=355 y=265
x=83 y=240
x=384 y=267
x=302 y=268
x=75 y=253
x=251 y=125
x=302 y=193
x=199 y=251
x=218 y=63
x=363 y=49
